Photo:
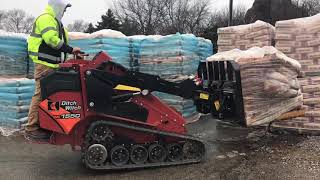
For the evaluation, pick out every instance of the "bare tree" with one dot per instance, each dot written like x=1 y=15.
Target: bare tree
x=177 y=16
x=239 y=15
x=78 y=26
x=198 y=12
x=311 y=7
x=165 y=16
x=3 y=16
x=220 y=17
x=18 y=21
x=147 y=13
x=186 y=16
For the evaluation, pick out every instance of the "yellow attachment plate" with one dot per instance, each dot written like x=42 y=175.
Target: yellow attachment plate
x=127 y=88
x=204 y=96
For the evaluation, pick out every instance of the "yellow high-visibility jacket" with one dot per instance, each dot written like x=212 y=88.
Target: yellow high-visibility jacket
x=47 y=40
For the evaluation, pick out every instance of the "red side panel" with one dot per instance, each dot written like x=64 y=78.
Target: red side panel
x=61 y=111
x=47 y=122
x=161 y=115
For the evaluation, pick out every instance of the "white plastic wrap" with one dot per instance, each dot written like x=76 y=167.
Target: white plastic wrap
x=13 y=35
x=105 y=33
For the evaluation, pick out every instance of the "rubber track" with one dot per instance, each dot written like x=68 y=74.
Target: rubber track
x=110 y=166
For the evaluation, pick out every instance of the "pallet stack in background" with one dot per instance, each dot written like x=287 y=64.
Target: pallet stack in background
x=244 y=37
x=15 y=98
x=300 y=39
x=173 y=57
x=13 y=54
x=114 y=42
x=15 y=90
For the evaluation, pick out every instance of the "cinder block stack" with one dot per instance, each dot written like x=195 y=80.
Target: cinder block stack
x=243 y=37
x=300 y=39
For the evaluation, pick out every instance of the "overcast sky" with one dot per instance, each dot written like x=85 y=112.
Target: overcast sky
x=89 y=10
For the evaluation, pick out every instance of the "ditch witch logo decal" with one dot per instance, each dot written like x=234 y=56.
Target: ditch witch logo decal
x=67 y=105
x=53 y=106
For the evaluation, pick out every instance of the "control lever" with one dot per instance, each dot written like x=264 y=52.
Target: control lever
x=83 y=54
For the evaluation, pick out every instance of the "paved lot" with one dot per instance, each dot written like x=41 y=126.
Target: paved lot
x=234 y=153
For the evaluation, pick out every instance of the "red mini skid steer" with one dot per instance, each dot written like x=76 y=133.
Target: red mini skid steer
x=108 y=112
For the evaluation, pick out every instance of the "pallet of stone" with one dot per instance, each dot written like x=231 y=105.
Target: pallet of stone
x=244 y=37
x=269 y=83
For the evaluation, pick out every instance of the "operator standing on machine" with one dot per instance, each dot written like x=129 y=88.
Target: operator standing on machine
x=47 y=47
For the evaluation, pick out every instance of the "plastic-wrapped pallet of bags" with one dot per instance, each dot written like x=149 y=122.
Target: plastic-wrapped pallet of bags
x=173 y=58
x=15 y=99
x=299 y=39
x=13 y=54
x=205 y=48
x=244 y=37
x=169 y=55
x=185 y=107
x=114 y=43
x=269 y=83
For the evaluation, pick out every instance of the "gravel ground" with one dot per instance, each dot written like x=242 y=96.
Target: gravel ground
x=233 y=153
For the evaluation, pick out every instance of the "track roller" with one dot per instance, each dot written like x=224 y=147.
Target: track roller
x=101 y=132
x=138 y=154
x=175 y=152
x=96 y=154
x=157 y=153
x=119 y=155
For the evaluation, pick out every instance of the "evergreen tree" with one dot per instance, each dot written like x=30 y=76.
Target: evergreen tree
x=108 y=21
x=129 y=27
x=90 y=28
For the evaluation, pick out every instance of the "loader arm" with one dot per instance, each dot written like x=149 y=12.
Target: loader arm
x=185 y=89
x=220 y=93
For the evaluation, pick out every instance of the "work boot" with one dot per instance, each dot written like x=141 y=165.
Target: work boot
x=39 y=134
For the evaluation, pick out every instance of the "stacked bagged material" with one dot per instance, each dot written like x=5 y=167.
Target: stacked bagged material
x=170 y=55
x=243 y=37
x=13 y=53
x=205 y=48
x=269 y=82
x=173 y=58
x=299 y=39
x=112 y=42
x=15 y=98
